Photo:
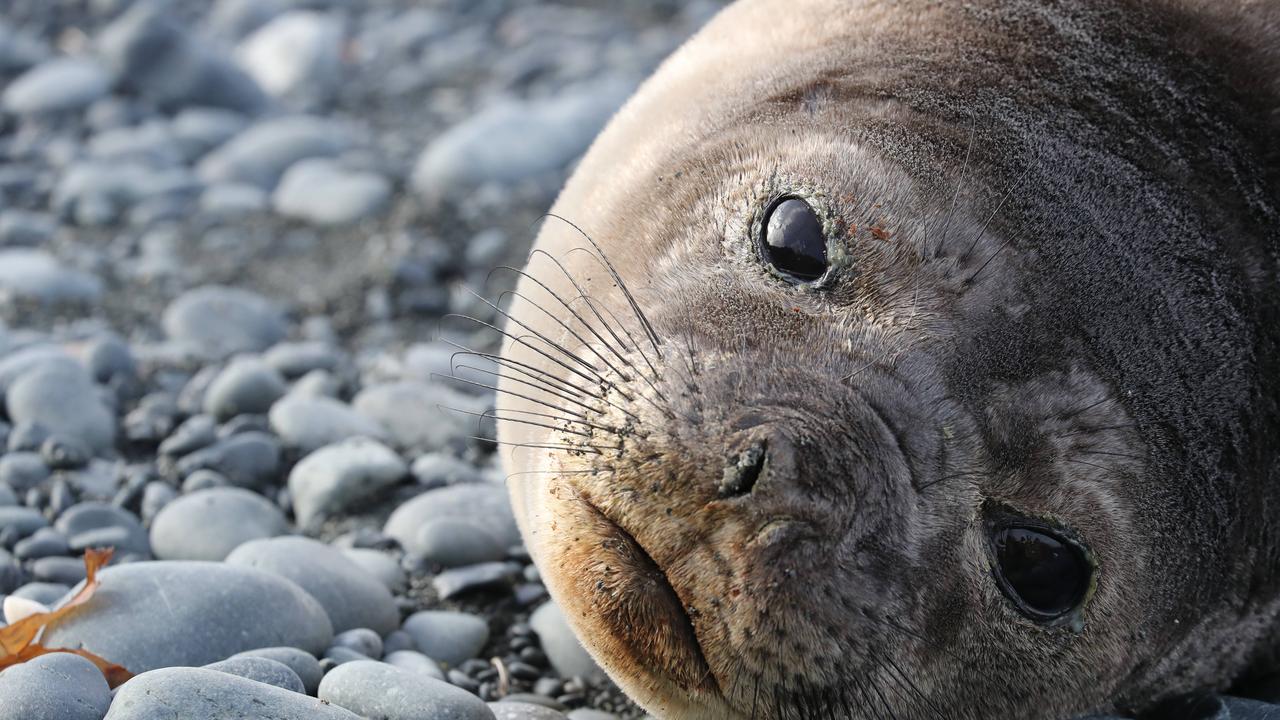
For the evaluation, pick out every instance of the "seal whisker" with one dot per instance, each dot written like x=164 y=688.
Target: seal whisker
x=596 y=449
x=639 y=347
x=964 y=171
x=586 y=345
x=525 y=369
x=487 y=414
x=635 y=307
x=539 y=385
x=541 y=352
x=590 y=328
x=596 y=426
x=982 y=232
x=513 y=394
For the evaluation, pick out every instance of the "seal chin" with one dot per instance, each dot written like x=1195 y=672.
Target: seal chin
x=636 y=605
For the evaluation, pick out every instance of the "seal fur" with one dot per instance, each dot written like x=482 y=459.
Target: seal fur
x=1056 y=254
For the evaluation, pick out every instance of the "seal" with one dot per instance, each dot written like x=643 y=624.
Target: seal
x=915 y=359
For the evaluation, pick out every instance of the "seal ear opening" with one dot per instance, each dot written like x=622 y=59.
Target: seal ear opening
x=743 y=471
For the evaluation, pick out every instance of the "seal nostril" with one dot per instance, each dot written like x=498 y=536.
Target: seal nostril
x=742 y=471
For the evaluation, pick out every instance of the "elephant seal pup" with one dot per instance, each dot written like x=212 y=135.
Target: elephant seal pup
x=916 y=359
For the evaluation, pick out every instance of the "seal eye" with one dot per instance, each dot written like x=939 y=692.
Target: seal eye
x=1045 y=575
x=793 y=241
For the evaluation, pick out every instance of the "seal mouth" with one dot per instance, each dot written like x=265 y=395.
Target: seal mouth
x=636 y=603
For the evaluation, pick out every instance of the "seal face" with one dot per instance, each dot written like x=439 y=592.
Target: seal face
x=915 y=360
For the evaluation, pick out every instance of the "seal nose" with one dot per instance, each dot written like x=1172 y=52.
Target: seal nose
x=743 y=470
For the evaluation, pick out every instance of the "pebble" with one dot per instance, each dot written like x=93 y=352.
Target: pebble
x=232 y=201
x=83 y=524
x=11 y=575
x=505 y=710
x=380 y=565
x=36 y=275
x=45 y=593
x=57 y=85
x=248 y=459
x=62 y=399
x=398 y=640
x=109 y=357
x=22 y=471
x=512 y=141
x=64 y=453
x=212 y=695
x=261 y=154
x=57 y=686
x=439 y=469
x=352 y=597
x=375 y=689
x=416 y=663
x=153 y=55
x=446 y=636
x=220 y=321
x=7 y=496
x=59 y=570
x=159 y=614
x=209 y=524
x=485 y=506
x=412 y=412
x=450 y=584
x=197 y=130
x=362 y=640
x=321 y=192
x=298 y=53
x=18 y=51
x=203 y=480
x=589 y=714
x=311 y=422
x=295 y=359
x=263 y=670
x=564 y=651
x=21 y=520
x=196 y=432
x=26 y=228
x=246 y=385
x=339 y=475
x=456 y=542
x=155 y=496
x=302 y=663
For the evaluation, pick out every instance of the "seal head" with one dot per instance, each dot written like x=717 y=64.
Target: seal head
x=914 y=360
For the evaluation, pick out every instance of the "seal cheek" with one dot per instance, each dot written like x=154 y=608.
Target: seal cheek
x=636 y=618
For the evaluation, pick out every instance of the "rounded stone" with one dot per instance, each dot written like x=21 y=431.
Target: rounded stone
x=352 y=597
x=220 y=321
x=302 y=663
x=83 y=521
x=446 y=636
x=375 y=689
x=523 y=711
x=212 y=695
x=58 y=686
x=311 y=422
x=246 y=386
x=484 y=505
x=322 y=192
x=263 y=670
x=335 y=476
x=455 y=543
x=159 y=614
x=209 y=524
x=415 y=662
x=564 y=651
x=247 y=459
x=56 y=85
x=64 y=400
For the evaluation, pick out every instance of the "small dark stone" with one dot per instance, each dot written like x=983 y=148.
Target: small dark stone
x=482 y=576
x=61 y=452
x=460 y=679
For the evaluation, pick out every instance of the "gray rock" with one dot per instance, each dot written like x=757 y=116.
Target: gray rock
x=295 y=55
x=448 y=637
x=248 y=459
x=310 y=422
x=412 y=412
x=100 y=192
x=302 y=663
x=261 y=154
x=196 y=432
x=229 y=201
x=246 y=385
x=375 y=689
x=19 y=51
x=439 y=469
x=483 y=505
x=83 y=524
x=453 y=542
x=209 y=524
x=362 y=640
x=181 y=693
x=203 y=480
x=42 y=592
x=22 y=471
x=415 y=662
x=159 y=614
x=109 y=357
x=322 y=192
x=263 y=670
x=11 y=574
x=26 y=228
x=295 y=359
x=513 y=141
x=152 y=54
x=58 y=686
x=505 y=710
x=58 y=85
x=380 y=565
x=398 y=640
x=340 y=655
x=564 y=651
x=155 y=496
x=589 y=714
x=60 y=570
x=335 y=476
x=490 y=575
x=36 y=275
x=6 y=496
x=352 y=597
x=63 y=399
x=21 y=521
x=220 y=321
x=37 y=356
x=198 y=130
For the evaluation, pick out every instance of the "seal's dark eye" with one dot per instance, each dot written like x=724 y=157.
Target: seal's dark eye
x=793 y=241
x=1044 y=574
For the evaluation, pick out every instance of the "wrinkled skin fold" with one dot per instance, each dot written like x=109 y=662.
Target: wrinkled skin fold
x=1053 y=295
